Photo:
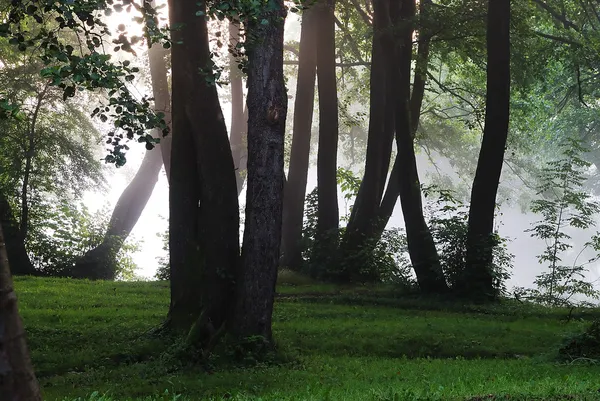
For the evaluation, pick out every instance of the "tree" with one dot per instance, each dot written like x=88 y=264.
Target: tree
x=363 y=217
x=393 y=108
x=100 y=262
x=328 y=211
x=203 y=204
x=423 y=254
x=14 y=242
x=295 y=189
x=477 y=280
x=17 y=378
x=267 y=111
x=49 y=150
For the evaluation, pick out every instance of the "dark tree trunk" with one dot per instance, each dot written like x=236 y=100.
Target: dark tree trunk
x=392 y=191
x=327 y=201
x=363 y=217
x=267 y=109
x=421 y=247
x=17 y=378
x=372 y=211
x=203 y=204
x=477 y=282
x=295 y=192
x=100 y=262
x=15 y=246
x=239 y=120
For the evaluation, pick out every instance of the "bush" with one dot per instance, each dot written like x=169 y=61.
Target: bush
x=383 y=259
x=67 y=233
x=448 y=220
x=584 y=345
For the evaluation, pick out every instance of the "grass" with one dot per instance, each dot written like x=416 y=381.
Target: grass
x=335 y=344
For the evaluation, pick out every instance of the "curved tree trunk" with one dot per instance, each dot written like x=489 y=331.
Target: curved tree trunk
x=239 y=119
x=295 y=189
x=421 y=246
x=100 y=262
x=17 y=378
x=267 y=110
x=15 y=245
x=374 y=211
x=327 y=209
x=392 y=192
x=477 y=281
x=379 y=147
x=203 y=204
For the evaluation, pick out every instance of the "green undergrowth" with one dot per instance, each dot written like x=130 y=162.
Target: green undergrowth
x=92 y=341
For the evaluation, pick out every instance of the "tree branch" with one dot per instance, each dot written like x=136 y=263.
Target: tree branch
x=558 y=39
x=556 y=15
x=351 y=41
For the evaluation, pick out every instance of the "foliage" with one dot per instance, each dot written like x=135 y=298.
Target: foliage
x=51 y=29
x=563 y=205
x=164 y=267
x=583 y=346
x=448 y=220
x=67 y=232
x=93 y=336
x=385 y=258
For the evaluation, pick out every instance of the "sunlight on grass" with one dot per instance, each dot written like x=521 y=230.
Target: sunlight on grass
x=334 y=343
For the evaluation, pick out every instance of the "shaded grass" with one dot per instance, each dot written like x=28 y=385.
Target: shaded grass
x=340 y=343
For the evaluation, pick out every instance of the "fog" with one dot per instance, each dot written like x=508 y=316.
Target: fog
x=512 y=220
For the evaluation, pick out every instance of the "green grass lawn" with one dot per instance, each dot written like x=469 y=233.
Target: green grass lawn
x=334 y=344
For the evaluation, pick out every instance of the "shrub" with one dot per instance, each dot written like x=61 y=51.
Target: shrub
x=584 y=345
x=67 y=233
x=448 y=221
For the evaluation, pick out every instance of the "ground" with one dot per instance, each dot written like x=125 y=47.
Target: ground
x=92 y=340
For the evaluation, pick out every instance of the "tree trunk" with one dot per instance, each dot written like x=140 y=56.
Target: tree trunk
x=477 y=282
x=295 y=192
x=392 y=191
x=203 y=204
x=363 y=217
x=421 y=247
x=29 y=155
x=17 y=378
x=239 y=124
x=327 y=202
x=100 y=262
x=267 y=110
x=15 y=246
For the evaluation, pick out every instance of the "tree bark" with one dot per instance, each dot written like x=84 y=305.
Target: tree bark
x=327 y=202
x=363 y=217
x=392 y=191
x=372 y=211
x=100 y=262
x=267 y=110
x=15 y=246
x=477 y=281
x=203 y=204
x=295 y=191
x=421 y=246
x=17 y=378
x=239 y=119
